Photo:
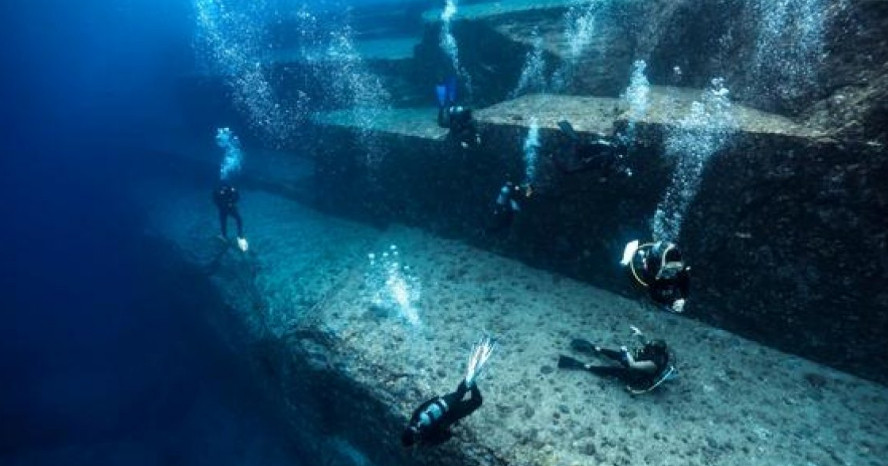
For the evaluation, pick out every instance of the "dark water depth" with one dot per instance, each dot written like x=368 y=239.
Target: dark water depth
x=106 y=353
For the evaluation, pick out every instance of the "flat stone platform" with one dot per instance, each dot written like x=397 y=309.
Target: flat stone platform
x=486 y=10
x=354 y=369
x=598 y=115
x=666 y=105
x=387 y=49
x=412 y=122
x=769 y=187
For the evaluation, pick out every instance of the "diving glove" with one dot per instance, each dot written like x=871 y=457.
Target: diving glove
x=242 y=244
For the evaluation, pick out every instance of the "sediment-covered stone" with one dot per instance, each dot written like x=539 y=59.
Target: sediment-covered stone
x=778 y=234
x=839 y=66
x=351 y=372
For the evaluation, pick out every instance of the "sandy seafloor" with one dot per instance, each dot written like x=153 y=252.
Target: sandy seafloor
x=734 y=403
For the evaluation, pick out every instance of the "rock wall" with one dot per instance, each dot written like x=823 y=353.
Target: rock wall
x=787 y=236
x=347 y=371
x=836 y=82
x=794 y=241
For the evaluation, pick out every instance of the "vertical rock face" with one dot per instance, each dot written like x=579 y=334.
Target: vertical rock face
x=797 y=57
x=794 y=248
x=348 y=371
x=786 y=236
x=807 y=58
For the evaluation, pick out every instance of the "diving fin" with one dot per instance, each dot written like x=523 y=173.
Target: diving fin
x=441 y=93
x=568 y=130
x=481 y=352
x=583 y=346
x=567 y=362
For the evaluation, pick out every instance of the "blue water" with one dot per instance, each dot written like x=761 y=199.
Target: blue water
x=105 y=354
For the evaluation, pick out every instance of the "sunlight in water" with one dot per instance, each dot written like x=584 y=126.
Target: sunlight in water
x=231 y=42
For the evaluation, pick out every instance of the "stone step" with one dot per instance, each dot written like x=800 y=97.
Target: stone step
x=366 y=20
x=495 y=9
x=308 y=300
x=506 y=31
x=597 y=115
x=600 y=114
x=773 y=186
x=416 y=122
x=703 y=39
x=389 y=49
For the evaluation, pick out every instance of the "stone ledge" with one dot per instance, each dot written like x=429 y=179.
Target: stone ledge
x=414 y=122
x=488 y=10
x=769 y=193
x=595 y=115
x=351 y=369
x=600 y=114
x=388 y=49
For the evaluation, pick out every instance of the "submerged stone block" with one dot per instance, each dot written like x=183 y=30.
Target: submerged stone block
x=794 y=57
x=774 y=235
x=347 y=378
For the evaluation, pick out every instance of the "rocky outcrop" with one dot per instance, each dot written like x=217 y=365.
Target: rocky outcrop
x=832 y=76
x=821 y=63
x=349 y=371
x=786 y=235
x=796 y=268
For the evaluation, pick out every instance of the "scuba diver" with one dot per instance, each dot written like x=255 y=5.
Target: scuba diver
x=431 y=422
x=642 y=370
x=508 y=203
x=225 y=197
x=659 y=268
x=455 y=117
x=605 y=155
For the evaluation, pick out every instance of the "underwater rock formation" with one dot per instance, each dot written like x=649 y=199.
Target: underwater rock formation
x=349 y=372
x=786 y=235
x=831 y=73
x=781 y=235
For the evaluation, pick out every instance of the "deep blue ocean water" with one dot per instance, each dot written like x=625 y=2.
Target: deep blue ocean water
x=105 y=354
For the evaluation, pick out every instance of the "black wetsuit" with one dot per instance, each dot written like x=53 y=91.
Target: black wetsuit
x=452 y=408
x=460 y=122
x=225 y=198
x=634 y=378
x=506 y=206
x=604 y=155
x=666 y=290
